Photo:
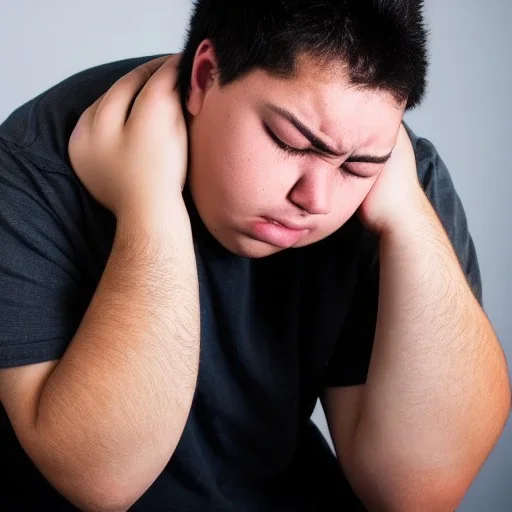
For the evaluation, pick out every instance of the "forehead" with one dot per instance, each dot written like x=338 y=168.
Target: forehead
x=322 y=97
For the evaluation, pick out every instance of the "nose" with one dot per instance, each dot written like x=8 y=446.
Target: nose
x=313 y=191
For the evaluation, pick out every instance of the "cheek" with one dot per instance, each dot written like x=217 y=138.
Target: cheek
x=348 y=196
x=219 y=152
x=246 y=165
x=360 y=190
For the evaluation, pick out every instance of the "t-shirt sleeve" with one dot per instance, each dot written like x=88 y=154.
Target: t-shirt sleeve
x=41 y=302
x=350 y=361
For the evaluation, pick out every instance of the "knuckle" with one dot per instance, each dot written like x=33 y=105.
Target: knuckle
x=144 y=71
x=105 y=103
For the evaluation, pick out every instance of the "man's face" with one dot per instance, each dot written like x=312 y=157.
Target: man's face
x=241 y=175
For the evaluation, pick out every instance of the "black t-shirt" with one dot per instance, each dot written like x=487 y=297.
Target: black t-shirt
x=274 y=331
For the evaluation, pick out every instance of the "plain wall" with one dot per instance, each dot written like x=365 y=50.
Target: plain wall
x=466 y=114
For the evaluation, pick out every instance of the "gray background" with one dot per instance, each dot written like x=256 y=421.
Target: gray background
x=466 y=114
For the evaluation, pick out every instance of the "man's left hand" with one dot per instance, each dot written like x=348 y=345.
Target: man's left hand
x=396 y=197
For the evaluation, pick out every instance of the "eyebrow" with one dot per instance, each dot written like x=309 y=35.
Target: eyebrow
x=319 y=144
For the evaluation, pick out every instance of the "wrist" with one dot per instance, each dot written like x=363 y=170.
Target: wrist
x=409 y=221
x=153 y=223
x=418 y=238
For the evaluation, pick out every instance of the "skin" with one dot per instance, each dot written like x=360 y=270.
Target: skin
x=238 y=174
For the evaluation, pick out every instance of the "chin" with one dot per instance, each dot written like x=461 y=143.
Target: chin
x=247 y=247
x=253 y=249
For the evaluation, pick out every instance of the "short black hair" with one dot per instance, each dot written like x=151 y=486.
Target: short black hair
x=383 y=42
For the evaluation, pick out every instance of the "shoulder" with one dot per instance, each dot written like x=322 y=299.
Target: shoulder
x=35 y=170
x=48 y=218
x=439 y=187
x=429 y=162
x=49 y=118
x=436 y=180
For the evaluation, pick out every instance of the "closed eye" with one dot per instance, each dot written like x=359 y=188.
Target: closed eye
x=302 y=152
x=285 y=147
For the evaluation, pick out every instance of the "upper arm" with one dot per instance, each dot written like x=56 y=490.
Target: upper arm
x=41 y=290
x=438 y=185
x=342 y=408
x=20 y=390
x=347 y=369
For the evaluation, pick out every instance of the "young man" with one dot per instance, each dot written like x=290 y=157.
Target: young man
x=183 y=274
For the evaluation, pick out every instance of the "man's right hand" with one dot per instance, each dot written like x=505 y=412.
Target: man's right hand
x=129 y=148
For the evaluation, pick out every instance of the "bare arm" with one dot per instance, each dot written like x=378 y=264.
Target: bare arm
x=102 y=423
x=437 y=395
x=112 y=411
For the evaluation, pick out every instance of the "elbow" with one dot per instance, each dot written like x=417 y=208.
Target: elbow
x=103 y=500
x=95 y=476
x=107 y=492
x=88 y=496
x=105 y=496
x=428 y=501
x=90 y=485
x=433 y=498
x=391 y=488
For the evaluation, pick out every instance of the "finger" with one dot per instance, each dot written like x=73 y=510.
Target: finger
x=116 y=103
x=149 y=66
x=163 y=76
x=154 y=96
x=91 y=110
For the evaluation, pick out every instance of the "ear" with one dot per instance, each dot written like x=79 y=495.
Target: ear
x=204 y=70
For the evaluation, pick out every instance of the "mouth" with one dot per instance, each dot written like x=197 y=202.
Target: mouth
x=276 y=233
x=288 y=224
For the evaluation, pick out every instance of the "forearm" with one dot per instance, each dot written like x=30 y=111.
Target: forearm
x=437 y=393
x=115 y=406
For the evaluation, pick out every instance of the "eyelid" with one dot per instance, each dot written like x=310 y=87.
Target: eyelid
x=305 y=151
x=285 y=146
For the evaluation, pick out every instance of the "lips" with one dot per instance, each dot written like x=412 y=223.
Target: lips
x=287 y=224
x=276 y=233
